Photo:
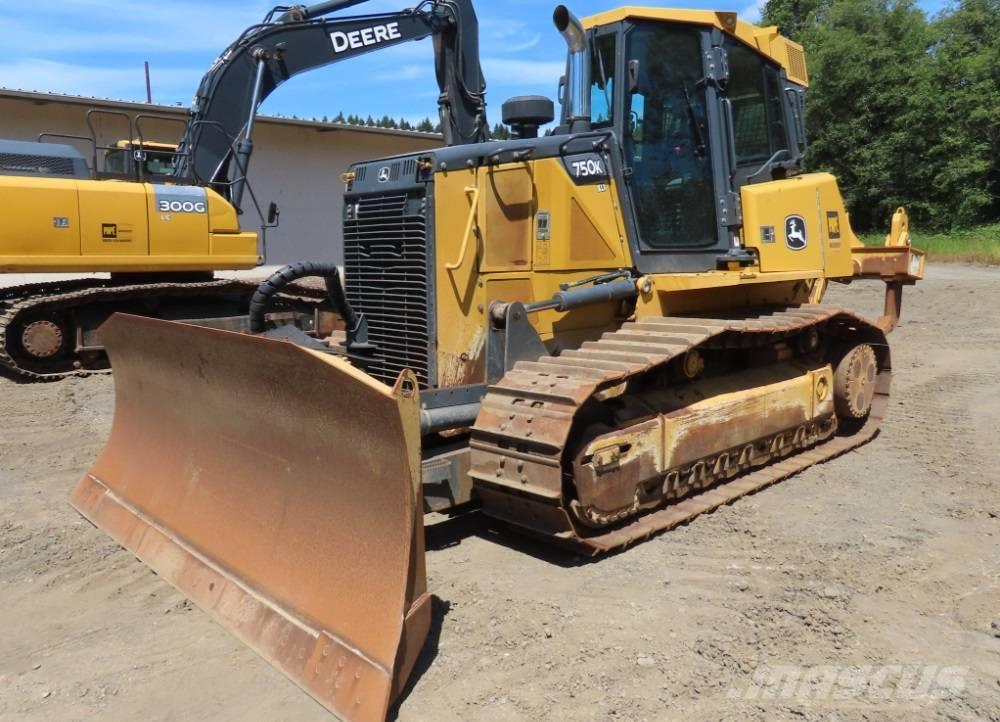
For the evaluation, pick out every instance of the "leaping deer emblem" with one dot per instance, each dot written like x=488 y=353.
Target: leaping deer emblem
x=795 y=233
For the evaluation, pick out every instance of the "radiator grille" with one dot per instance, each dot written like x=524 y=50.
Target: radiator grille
x=36 y=164
x=386 y=269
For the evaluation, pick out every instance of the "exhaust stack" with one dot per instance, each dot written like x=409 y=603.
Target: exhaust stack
x=578 y=83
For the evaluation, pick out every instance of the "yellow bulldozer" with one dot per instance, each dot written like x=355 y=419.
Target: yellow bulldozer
x=591 y=336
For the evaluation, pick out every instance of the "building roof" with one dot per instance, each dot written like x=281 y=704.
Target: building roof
x=179 y=111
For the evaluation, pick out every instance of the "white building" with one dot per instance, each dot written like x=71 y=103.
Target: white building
x=296 y=163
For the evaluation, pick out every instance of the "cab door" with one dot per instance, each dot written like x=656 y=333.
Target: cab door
x=672 y=149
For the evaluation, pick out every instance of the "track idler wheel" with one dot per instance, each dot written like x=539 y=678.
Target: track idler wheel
x=854 y=382
x=42 y=339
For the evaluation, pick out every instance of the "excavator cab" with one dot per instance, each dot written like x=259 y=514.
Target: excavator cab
x=156 y=159
x=593 y=334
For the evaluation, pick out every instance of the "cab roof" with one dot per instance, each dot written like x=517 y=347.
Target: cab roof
x=146 y=144
x=767 y=41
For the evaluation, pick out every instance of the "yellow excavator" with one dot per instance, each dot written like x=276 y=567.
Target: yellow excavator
x=161 y=219
x=591 y=336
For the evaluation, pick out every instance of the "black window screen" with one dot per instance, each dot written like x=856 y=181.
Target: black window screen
x=754 y=90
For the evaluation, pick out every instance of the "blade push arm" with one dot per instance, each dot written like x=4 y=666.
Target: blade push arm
x=303 y=38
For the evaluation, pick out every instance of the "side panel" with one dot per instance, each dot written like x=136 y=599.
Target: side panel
x=38 y=217
x=533 y=229
x=178 y=220
x=506 y=214
x=113 y=219
x=238 y=249
x=59 y=225
x=586 y=227
x=798 y=224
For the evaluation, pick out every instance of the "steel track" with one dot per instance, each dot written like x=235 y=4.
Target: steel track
x=18 y=301
x=520 y=441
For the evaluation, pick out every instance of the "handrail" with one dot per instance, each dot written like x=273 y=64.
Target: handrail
x=472 y=192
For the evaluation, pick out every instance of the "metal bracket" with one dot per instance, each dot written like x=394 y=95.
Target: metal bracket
x=511 y=340
x=717 y=66
x=731 y=209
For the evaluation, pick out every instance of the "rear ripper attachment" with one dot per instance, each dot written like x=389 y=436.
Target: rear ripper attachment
x=668 y=418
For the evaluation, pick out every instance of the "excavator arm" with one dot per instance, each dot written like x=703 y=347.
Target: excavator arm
x=217 y=143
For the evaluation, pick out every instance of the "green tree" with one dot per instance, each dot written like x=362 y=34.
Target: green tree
x=965 y=106
x=868 y=71
x=500 y=132
x=904 y=111
x=792 y=17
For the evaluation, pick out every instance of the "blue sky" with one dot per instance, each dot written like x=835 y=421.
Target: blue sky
x=97 y=48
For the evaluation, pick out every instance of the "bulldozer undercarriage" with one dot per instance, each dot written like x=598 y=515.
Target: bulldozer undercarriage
x=297 y=522
x=577 y=447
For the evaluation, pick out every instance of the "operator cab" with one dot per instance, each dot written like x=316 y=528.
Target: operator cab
x=696 y=114
x=154 y=159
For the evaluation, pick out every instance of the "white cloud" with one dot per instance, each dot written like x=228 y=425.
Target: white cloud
x=113 y=26
x=528 y=73
x=528 y=44
x=96 y=48
x=752 y=13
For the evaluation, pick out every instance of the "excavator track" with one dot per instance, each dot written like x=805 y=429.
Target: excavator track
x=41 y=299
x=533 y=420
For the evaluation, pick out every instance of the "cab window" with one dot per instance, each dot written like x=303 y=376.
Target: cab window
x=754 y=91
x=602 y=74
x=667 y=139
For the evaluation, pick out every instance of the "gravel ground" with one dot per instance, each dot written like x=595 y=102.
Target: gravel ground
x=864 y=588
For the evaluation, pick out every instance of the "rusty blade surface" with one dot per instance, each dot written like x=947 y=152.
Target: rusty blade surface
x=278 y=489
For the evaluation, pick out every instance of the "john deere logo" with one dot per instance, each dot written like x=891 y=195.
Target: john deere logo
x=795 y=233
x=109 y=231
x=383 y=174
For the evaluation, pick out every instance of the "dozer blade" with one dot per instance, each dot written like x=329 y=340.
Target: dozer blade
x=278 y=488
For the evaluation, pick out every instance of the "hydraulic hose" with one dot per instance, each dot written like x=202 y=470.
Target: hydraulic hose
x=280 y=279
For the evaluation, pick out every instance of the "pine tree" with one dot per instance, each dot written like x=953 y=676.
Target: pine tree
x=501 y=132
